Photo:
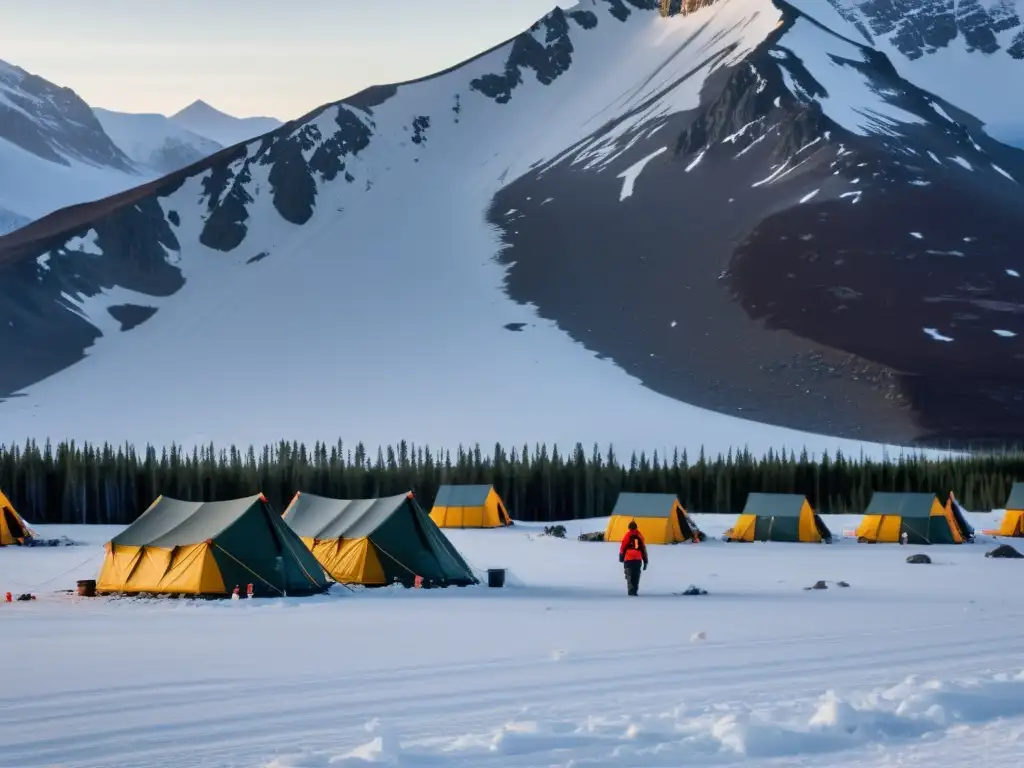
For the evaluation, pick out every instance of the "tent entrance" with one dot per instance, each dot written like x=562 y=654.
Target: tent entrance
x=14 y=526
x=822 y=529
x=686 y=528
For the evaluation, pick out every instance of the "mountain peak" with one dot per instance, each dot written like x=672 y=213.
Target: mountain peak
x=197 y=108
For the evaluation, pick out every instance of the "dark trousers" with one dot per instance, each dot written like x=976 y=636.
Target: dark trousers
x=633 y=569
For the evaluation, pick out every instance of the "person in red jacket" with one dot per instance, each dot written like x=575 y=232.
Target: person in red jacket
x=633 y=556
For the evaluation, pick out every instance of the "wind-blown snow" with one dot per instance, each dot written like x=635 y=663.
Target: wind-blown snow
x=910 y=665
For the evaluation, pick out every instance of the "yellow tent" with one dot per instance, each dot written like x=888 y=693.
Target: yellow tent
x=1013 y=520
x=12 y=528
x=659 y=517
x=376 y=542
x=778 y=517
x=921 y=516
x=209 y=548
x=469 y=506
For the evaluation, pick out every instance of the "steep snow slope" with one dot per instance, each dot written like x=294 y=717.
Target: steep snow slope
x=338 y=276
x=912 y=665
x=227 y=130
x=969 y=52
x=53 y=151
x=155 y=142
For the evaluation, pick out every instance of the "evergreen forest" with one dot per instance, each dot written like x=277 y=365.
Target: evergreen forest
x=83 y=483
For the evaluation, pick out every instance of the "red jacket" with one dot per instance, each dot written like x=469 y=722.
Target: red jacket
x=633 y=547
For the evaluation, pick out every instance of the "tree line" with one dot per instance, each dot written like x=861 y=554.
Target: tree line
x=82 y=483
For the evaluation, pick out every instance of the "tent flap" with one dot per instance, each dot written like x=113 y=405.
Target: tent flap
x=12 y=528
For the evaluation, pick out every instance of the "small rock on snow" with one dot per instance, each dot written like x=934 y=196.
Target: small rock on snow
x=1005 y=550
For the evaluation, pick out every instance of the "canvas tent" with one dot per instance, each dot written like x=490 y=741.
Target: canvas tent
x=376 y=542
x=924 y=519
x=13 y=529
x=659 y=516
x=778 y=517
x=469 y=506
x=1013 y=520
x=209 y=548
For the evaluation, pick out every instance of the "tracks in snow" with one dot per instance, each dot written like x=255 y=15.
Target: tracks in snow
x=232 y=722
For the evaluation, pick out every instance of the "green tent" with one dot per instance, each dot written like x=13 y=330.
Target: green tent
x=779 y=517
x=377 y=541
x=209 y=548
x=921 y=516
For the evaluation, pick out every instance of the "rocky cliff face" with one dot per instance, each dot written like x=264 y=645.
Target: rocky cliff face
x=921 y=27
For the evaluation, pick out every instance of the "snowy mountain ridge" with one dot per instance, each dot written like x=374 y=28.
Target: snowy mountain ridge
x=970 y=52
x=53 y=151
x=52 y=122
x=725 y=203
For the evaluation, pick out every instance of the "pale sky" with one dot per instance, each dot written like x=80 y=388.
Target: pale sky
x=247 y=57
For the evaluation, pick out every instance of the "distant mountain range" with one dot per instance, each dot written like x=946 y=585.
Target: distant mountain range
x=227 y=130
x=651 y=223
x=56 y=151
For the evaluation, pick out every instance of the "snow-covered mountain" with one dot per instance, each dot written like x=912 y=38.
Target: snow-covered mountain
x=53 y=151
x=227 y=130
x=970 y=52
x=736 y=203
x=155 y=142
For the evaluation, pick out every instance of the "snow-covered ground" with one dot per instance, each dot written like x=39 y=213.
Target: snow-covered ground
x=911 y=665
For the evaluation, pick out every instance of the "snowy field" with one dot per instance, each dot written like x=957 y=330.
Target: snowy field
x=911 y=665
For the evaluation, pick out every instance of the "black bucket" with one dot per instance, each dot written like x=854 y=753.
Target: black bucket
x=496 y=577
x=87 y=588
